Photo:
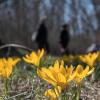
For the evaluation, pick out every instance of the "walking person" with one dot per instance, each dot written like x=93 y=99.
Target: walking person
x=42 y=36
x=64 y=39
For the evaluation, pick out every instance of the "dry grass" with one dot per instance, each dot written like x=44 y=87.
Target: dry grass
x=25 y=91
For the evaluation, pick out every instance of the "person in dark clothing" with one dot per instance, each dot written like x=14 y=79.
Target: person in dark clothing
x=64 y=39
x=41 y=37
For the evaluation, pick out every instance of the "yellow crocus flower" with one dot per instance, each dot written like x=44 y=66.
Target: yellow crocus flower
x=57 y=79
x=66 y=71
x=45 y=74
x=70 y=73
x=82 y=73
x=56 y=75
x=58 y=67
x=11 y=61
x=68 y=58
x=34 y=58
x=53 y=94
x=89 y=58
x=6 y=66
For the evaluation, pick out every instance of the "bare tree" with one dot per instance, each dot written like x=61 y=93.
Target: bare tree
x=21 y=21
x=36 y=11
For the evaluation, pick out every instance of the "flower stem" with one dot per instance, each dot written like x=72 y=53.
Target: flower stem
x=6 y=87
x=78 y=92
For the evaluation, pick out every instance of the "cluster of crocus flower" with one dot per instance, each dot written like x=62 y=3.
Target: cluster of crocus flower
x=59 y=75
x=89 y=58
x=82 y=73
x=34 y=58
x=6 y=66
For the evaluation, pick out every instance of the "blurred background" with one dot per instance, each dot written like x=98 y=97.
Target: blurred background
x=20 y=19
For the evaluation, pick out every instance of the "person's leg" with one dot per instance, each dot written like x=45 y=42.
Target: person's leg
x=47 y=47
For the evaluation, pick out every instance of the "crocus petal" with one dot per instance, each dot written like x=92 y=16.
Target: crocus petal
x=41 y=53
x=56 y=65
x=91 y=71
